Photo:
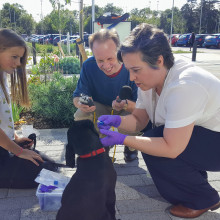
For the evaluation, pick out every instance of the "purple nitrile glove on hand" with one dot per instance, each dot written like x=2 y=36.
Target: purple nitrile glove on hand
x=106 y=121
x=112 y=138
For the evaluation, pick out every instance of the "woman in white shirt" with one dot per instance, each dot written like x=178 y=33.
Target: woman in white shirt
x=183 y=103
x=19 y=169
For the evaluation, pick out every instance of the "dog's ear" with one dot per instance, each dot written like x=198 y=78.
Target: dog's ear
x=83 y=137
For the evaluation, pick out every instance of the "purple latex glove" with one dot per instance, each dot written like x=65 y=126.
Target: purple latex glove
x=112 y=138
x=106 y=121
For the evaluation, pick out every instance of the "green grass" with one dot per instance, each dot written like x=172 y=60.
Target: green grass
x=182 y=51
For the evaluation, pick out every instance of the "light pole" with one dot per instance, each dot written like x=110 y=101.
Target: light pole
x=171 y=29
x=93 y=15
x=200 y=23
x=81 y=26
x=41 y=17
x=0 y=19
x=219 y=17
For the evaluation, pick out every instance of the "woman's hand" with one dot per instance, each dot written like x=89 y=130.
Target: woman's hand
x=31 y=155
x=19 y=141
x=106 y=121
x=112 y=138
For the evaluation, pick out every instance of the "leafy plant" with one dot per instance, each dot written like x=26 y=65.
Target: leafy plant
x=72 y=49
x=16 y=110
x=40 y=48
x=54 y=100
x=47 y=65
x=69 y=65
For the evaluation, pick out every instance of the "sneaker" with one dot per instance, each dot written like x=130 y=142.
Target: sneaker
x=130 y=155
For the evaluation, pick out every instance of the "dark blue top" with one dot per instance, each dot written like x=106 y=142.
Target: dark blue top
x=103 y=89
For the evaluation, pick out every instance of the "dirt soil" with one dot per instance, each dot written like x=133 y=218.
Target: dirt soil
x=28 y=118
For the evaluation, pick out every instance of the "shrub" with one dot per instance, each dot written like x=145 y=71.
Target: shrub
x=69 y=65
x=72 y=49
x=54 y=100
x=16 y=110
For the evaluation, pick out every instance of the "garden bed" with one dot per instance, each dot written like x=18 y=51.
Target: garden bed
x=28 y=118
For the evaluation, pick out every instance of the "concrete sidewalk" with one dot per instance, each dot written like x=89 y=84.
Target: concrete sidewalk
x=137 y=196
x=207 y=61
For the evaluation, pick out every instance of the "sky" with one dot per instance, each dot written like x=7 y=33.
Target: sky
x=34 y=6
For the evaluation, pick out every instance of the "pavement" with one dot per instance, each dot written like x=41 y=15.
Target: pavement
x=136 y=195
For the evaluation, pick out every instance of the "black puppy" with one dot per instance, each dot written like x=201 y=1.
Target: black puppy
x=90 y=194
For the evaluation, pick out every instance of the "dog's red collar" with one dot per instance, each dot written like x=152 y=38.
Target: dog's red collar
x=93 y=153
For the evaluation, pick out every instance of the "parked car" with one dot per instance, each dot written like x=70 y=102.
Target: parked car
x=72 y=39
x=212 y=40
x=24 y=36
x=44 y=39
x=35 y=38
x=184 y=40
x=57 y=39
x=51 y=37
x=174 y=39
x=200 y=39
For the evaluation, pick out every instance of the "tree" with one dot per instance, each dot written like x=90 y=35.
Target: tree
x=112 y=9
x=188 y=12
x=63 y=21
x=27 y=24
x=210 y=16
x=14 y=16
x=144 y=15
x=179 y=26
x=87 y=15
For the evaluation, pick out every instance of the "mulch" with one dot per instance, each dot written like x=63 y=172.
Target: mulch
x=38 y=122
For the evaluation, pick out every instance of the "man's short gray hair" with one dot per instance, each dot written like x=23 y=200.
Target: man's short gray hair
x=103 y=35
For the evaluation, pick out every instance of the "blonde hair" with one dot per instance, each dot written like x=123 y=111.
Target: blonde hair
x=19 y=93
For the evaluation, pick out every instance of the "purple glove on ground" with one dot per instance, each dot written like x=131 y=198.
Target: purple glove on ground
x=112 y=138
x=106 y=121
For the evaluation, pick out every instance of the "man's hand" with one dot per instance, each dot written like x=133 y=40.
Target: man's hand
x=118 y=106
x=86 y=108
x=83 y=107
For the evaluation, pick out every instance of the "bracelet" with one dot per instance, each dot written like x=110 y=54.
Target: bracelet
x=19 y=152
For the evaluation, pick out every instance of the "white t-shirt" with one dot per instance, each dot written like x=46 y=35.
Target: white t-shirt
x=190 y=94
x=6 y=119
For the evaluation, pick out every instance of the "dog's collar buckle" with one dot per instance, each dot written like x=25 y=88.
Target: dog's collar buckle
x=93 y=153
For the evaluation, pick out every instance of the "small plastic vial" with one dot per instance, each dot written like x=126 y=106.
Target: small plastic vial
x=59 y=184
